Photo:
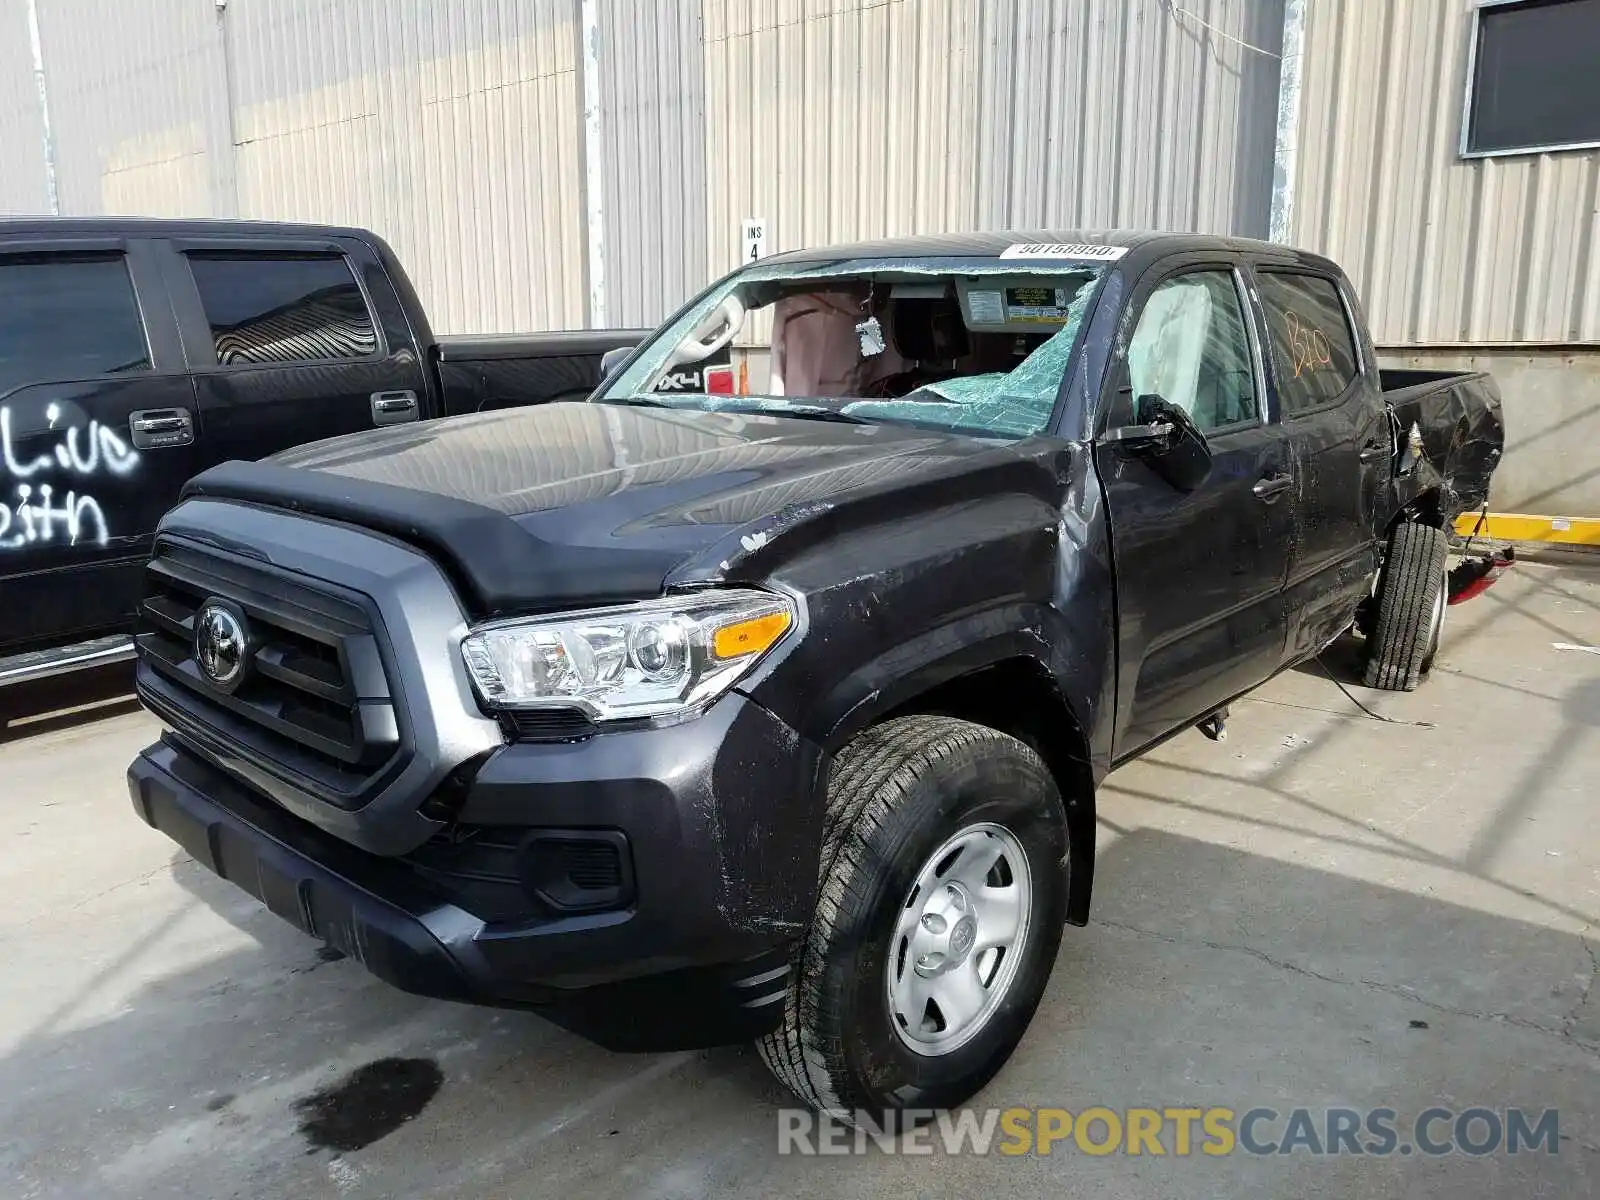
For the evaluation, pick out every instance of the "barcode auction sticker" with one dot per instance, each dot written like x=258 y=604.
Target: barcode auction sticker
x=1079 y=250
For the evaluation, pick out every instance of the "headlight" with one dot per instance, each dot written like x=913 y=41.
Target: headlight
x=636 y=660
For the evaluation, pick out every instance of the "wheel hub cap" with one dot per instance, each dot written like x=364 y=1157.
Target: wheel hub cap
x=959 y=939
x=946 y=933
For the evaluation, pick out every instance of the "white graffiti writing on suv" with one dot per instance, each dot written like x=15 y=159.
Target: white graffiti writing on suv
x=39 y=511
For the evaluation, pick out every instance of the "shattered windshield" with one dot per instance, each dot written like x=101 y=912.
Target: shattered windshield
x=975 y=345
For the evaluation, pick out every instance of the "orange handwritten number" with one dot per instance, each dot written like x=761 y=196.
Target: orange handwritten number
x=1308 y=346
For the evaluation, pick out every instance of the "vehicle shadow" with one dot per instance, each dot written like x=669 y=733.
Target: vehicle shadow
x=66 y=701
x=1345 y=660
x=1209 y=976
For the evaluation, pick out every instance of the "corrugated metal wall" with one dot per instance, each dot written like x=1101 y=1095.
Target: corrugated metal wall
x=842 y=119
x=653 y=150
x=449 y=128
x=455 y=129
x=135 y=108
x=1444 y=250
x=1142 y=115
x=23 y=187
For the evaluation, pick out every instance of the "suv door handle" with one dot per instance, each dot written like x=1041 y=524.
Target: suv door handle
x=1270 y=488
x=1374 y=450
x=394 y=408
x=158 y=428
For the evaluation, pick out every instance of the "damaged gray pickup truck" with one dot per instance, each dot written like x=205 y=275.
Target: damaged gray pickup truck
x=777 y=711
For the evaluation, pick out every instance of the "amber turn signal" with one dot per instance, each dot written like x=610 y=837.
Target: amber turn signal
x=750 y=636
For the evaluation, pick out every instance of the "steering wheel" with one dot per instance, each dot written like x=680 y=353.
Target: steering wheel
x=712 y=334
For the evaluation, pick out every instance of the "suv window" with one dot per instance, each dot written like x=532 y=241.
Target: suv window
x=1191 y=349
x=66 y=317
x=275 y=307
x=1313 y=349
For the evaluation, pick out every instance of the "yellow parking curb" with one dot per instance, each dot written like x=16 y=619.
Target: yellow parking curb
x=1520 y=527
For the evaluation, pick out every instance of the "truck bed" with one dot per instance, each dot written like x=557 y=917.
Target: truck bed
x=1457 y=416
x=483 y=373
x=492 y=348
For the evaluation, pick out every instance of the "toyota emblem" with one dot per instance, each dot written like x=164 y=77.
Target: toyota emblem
x=221 y=647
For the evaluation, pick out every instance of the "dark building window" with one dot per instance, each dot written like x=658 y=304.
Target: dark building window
x=275 y=307
x=1535 y=78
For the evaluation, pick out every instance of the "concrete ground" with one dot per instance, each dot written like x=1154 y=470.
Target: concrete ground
x=1323 y=910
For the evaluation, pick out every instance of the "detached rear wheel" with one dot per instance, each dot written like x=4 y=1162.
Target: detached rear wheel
x=1411 y=605
x=943 y=895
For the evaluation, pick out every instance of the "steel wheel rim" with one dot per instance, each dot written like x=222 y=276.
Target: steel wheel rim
x=1440 y=602
x=959 y=939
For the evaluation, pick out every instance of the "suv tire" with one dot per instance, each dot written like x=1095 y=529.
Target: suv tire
x=909 y=911
x=1410 y=611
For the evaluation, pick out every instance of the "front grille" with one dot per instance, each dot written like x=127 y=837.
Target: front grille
x=312 y=698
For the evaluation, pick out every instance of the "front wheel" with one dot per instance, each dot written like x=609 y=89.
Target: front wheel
x=943 y=895
x=1411 y=602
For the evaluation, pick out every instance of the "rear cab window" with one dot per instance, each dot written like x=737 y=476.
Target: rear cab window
x=975 y=345
x=1313 y=346
x=267 y=307
x=67 y=317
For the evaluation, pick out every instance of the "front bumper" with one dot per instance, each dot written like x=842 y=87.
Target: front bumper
x=718 y=816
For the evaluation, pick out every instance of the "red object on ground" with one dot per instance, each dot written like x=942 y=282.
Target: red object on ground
x=1476 y=575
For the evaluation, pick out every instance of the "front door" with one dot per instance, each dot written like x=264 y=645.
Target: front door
x=1200 y=573
x=97 y=434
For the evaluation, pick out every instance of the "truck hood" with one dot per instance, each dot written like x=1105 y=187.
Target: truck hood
x=568 y=504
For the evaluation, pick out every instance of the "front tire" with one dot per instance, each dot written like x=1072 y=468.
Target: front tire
x=942 y=900
x=1410 y=610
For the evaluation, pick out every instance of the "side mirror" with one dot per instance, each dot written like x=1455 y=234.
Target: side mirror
x=611 y=361
x=1169 y=440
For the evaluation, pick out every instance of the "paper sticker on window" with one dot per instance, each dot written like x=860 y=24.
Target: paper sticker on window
x=985 y=308
x=1037 y=304
x=1063 y=250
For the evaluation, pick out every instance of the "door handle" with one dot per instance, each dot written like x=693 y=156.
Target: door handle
x=394 y=408
x=1374 y=451
x=1272 y=487
x=158 y=428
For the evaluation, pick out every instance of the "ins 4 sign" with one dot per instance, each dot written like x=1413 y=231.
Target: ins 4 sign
x=35 y=511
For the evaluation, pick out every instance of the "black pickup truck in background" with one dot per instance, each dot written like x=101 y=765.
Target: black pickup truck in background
x=691 y=717
x=137 y=353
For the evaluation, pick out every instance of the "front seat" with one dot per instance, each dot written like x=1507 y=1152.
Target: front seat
x=929 y=333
